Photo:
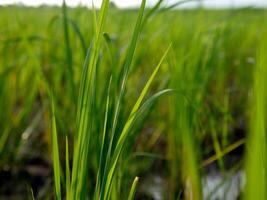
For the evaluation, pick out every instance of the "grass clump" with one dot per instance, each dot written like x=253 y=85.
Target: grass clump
x=110 y=150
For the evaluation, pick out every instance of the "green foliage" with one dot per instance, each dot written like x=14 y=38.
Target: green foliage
x=111 y=118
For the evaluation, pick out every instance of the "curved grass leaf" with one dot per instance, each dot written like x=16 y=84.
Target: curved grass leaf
x=126 y=129
x=133 y=189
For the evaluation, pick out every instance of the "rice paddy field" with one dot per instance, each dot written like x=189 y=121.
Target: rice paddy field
x=148 y=103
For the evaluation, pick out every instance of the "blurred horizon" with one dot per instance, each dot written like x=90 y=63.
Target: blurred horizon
x=136 y=3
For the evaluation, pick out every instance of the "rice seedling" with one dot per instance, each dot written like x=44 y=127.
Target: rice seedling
x=108 y=164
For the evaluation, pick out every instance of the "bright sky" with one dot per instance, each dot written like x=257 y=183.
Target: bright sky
x=126 y=3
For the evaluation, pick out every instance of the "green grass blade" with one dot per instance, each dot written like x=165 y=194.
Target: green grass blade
x=100 y=173
x=145 y=89
x=3 y=140
x=152 y=11
x=126 y=67
x=128 y=124
x=85 y=114
x=75 y=28
x=32 y=195
x=151 y=100
x=133 y=189
x=256 y=161
x=70 y=73
x=67 y=170
x=56 y=161
x=79 y=34
x=127 y=64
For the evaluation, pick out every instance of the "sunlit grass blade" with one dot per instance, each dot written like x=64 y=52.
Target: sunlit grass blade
x=32 y=195
x=133 y=189
x=224 y=152
x=190 y=169
x=217 y=146
x=85 y=114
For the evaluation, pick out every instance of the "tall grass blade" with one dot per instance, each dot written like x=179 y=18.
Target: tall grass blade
x=68 y=52
x=67 y=170
x=127 y=64
x=129 y=122
x=85 y=114
x=126 y=67
x=56 y=161
x=256 y=160
x=104 y=144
